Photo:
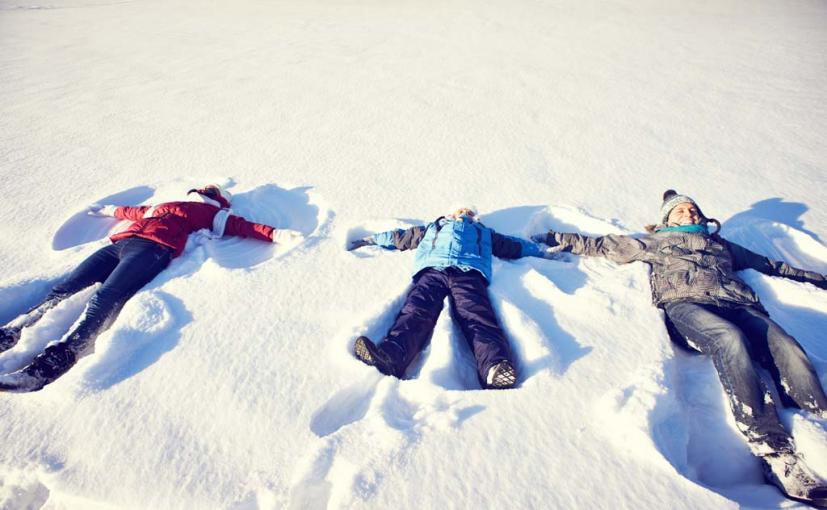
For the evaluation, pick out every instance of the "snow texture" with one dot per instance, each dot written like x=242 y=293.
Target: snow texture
x=228 y=382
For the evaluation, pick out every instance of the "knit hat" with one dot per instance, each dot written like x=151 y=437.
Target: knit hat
x=672 y=199
x=456 y=207
x=216 y=193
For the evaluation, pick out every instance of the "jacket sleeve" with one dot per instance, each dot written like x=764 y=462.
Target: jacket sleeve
x=238 y=226
x=617 y=248
x=507 y=247
x=131 y=213
x=400 y=239
x=746 y=259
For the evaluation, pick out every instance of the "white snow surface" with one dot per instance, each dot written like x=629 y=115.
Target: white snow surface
x=227 y=382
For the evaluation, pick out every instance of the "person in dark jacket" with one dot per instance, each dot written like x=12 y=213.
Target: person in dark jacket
x=136 y=256
x=453 y=258
x=694 y=280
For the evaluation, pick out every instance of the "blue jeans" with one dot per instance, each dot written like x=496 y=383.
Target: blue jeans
x=468 y=291
x=737 y=337
x=123 y=268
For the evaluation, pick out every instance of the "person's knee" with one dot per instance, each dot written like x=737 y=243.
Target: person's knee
x=730 y=342
x=106 y=299
x=62 y=290
x=108 y=293
x=423 y=307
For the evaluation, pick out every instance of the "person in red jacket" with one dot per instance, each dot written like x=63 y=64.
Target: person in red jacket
x=136 y=256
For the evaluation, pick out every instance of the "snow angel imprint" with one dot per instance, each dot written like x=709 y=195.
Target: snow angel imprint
x=453 y=258
x=136 y=256
x=694 y=280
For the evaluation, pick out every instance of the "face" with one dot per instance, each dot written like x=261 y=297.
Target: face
x=684 y=214
x=464 y=211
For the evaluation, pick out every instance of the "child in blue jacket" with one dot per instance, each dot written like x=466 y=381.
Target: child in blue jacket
x=453 y=258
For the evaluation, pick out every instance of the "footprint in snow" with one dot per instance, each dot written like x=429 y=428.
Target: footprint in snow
x=22 y=490
x=363 y=430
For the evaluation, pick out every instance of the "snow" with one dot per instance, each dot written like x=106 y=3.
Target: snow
x=227 y=382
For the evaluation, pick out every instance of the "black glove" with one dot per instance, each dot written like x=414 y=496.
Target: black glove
x=358 y=243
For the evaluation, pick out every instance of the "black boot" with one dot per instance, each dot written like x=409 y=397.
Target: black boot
x=501 y=376
x=371 y=354
x=788 y=472
x=47 y=366
x=8 y=338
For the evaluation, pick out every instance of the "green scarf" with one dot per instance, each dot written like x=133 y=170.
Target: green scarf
x=692 y=229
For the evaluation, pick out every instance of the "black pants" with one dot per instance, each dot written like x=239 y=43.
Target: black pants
x=468 y=291
x=736 y=337
x=123 y=268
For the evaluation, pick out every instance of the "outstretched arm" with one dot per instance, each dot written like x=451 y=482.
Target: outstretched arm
x=120 y=212
x=617 y=248
x=508 y=247
x=746 y=259
x=238 y=226
x=398 y=239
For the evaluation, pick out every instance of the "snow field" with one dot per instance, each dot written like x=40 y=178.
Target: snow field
x=227 y=382
x=664 y=410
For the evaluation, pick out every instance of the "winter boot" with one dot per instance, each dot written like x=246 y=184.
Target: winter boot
x=8 y=338
x=788 y=472
x=55 y=361
x=371 y=354
x=19 y=382
x=501 y=376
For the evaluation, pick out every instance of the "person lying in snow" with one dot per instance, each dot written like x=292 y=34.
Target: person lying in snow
x=694 y=281
x=136 y=256
x=453 y=258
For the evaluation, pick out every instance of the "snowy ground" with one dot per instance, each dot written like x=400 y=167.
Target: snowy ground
x=227 y=383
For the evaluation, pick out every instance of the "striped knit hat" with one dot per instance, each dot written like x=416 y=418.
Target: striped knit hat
x=672 y=199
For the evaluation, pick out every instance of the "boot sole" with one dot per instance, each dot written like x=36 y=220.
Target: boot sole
x=369 y=353
x=504 y=379
x=362 y=352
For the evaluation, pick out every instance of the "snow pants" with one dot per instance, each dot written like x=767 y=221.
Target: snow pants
x=736 y=337
x=468 y=297
x=123 y=268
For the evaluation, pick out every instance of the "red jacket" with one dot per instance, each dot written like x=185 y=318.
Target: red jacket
x=171 y=223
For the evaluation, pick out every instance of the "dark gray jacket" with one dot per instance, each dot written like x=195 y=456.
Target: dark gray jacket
x=687 y=266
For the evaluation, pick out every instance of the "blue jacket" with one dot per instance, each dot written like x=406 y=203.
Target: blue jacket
x=459 y=243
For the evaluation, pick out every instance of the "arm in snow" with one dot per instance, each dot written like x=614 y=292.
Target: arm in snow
x=746 y=259
x=238 y=226
x=131 y=213
x=617 y=248
x=400 y=239
x=507 y=247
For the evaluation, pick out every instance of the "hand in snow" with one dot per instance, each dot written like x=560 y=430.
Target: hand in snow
x=101 y=210
x=286 y=236
x=552 y=252
x=358 y=243
x=544 y=238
